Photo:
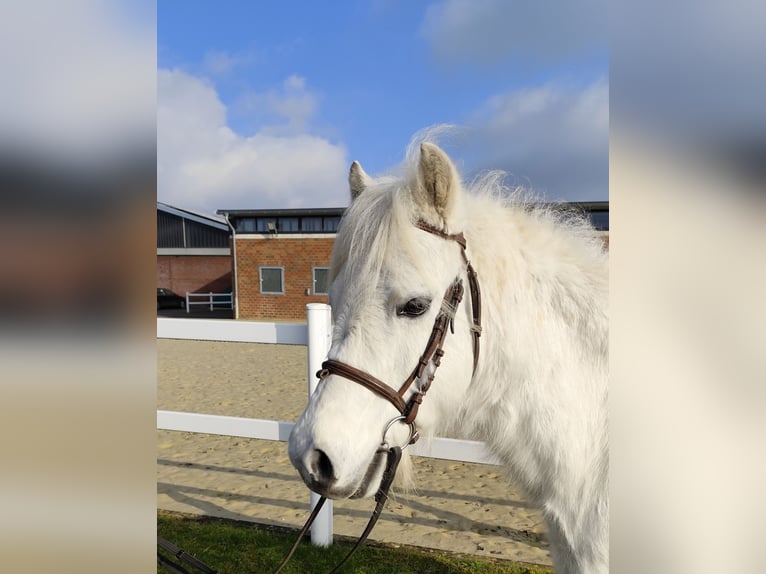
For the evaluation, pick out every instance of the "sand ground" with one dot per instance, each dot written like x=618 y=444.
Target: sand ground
x=460 y=507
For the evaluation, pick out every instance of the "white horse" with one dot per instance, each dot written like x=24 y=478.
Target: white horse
x=538 y=395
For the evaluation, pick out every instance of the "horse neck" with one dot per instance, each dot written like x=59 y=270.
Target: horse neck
x=544 y=293
x=539 y=397
x=533 y=267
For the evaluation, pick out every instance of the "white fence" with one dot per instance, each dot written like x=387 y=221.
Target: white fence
x=316 y=334
x=442 y=448
x=233 y=331
x=211 y=299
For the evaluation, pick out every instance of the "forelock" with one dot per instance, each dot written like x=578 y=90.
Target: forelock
x=377 y=215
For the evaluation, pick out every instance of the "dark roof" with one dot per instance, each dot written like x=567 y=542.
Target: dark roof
x=597 y=212
x=584 y=205
x=192 y=216
x=307 y=212
x=588 y=205
x=183 y=229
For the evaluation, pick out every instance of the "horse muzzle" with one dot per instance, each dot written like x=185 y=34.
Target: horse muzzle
x=317 y=471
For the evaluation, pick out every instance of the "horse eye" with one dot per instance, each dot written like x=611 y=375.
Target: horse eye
x=414 y=307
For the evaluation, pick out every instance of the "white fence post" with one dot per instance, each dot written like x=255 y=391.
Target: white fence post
x=319 y=323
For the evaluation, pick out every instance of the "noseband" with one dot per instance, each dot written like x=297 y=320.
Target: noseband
x=407 y=410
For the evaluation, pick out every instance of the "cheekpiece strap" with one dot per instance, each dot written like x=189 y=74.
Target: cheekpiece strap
x=473 y=283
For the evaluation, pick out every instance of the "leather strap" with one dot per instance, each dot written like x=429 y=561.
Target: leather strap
x=392 y=462
x=434 y=350
x=473 y=283
x=457 y=237
x=432 y=353
x=377 y=386
x=475 y=290
x=302 y=533
x=182 y=556
x=393 y=457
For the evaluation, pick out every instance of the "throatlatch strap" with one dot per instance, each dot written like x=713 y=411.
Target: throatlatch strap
x=473 y=287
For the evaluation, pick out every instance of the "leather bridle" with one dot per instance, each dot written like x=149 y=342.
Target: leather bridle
x=408 y=410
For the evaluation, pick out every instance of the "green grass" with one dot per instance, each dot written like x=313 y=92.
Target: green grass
x=232 y=547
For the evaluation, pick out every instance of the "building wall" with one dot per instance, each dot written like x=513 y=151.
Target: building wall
x=297 y=255
x=194 y=273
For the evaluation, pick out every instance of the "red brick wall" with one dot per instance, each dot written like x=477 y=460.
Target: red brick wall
x=194 y=273
x=298 y=257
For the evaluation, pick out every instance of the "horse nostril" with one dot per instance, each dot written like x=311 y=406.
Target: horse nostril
x=321 y=467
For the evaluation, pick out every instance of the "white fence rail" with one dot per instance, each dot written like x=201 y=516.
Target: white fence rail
x=441 y=448
x=233 y=331
x=209 y=299
x=316 y=334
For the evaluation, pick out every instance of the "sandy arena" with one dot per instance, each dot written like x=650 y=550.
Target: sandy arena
x=459 y=507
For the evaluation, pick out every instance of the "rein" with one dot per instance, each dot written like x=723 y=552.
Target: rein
x=408 y=410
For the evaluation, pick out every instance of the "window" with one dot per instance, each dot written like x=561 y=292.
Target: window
x=311 y=224
x=272 y=280
x=288 y=224
x=266 y=225
x=331 y=223
x=246 y=225
x=600 y=220
x=321 y=277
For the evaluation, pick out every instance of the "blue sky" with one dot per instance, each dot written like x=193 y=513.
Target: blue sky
x=265 y=104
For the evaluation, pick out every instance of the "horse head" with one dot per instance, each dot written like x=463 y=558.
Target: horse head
x=395 y=277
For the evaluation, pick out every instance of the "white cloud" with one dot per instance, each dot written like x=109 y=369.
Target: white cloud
x=492 y=31
x=218 y=63
x=553 y=139
x=221 y=63
x=288 y=110
x=204 y=165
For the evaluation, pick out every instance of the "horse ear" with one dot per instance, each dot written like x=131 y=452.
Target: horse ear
x=358 y=180
x=438 y=178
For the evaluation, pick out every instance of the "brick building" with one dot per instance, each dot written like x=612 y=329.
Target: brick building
x=193 y=252
x=281 y=260
x=281 y=257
